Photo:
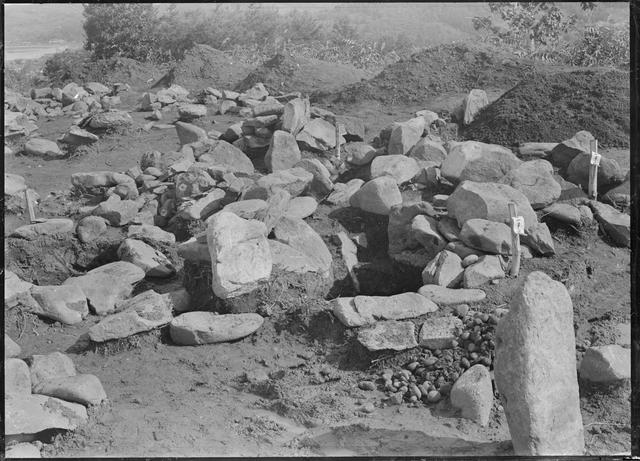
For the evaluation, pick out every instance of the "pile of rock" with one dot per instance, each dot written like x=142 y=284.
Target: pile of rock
x=44 y=392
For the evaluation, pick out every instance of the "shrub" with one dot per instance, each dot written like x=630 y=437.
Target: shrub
x=602 y=45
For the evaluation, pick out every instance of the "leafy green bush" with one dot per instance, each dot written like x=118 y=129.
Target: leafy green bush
x=67 y=66
x=602 y=45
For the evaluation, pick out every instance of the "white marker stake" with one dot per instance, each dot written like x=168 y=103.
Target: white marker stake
x=517 y=229
x=32 y=215
x=337 y=141
x=593 y=169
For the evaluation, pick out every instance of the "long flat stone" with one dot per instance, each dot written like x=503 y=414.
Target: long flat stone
x=195 y=328
x=366 y=310
x=389 y=334
x=28 y=415
x=443 y=296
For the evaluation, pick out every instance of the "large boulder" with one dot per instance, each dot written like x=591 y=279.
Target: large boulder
x=321 y=185
x=300 y=236
x=535 y=180
x=487 y=269
x=40 y=147
x=400 y=228
x=535 y=370
x=352 y=128
x=377 y=196
x=116 y=211
x=227 y=156
x=609 y=171
x=477 y=161
x=405 y=135
x=342 y=192
x=294 y=180
x=150 y=260
x=296 y=115
x=606 y=364
x=26 y=416
x=488 y=236
x=359 y=153
x=65 y=303
x=488 y=201
x=318 y=135
x=400 y=167
x=439 y=332
x=283 y=151
x=240 y=254
x=565 y=152
x=427 y=150
x=188 y=133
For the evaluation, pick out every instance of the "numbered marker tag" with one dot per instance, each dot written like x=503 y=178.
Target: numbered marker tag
x=595 y=158
x=517 y=225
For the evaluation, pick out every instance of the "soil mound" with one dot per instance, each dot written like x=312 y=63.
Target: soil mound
x=285 y=73
x=446 y=68
x=553 y=107
x=204 y=66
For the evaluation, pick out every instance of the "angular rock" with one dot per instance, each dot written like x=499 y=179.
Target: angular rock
x=76 y=136
x=445 y=270
x=228 y=156
x=565 y=213
x=352 y=128
x=116 y=211
x=276 y=207
x=606 y=364
x=444 y=296
x=377 y=196
x=399 y=231
x=289 y=259
x=565 y=152
x=71 y=93
x=39 y=147
x=11 y=348
x=463 y=250
x=299 y=235
x=188 y=133
x=96 y=179
x=539 y=239
x=56 y=226
x=152 y=233
x=84 y=388
x=293 y=180
x=144 y=312
x=192 y=250
x=366 y=310
x=477 y=161
x=619 y=196
x=535 y=180
x=301 y=207
x=473 y=394
x=17 y=380
x=268 y=107
x=535 y=370
x=617 y=225
x=65 y=303
x=400 y=167
x=14 y=184
x=609 y=171
x=190 y=112
x=22 y=450
x=472 y=105
x=426 y=150
x=29 y=415
x=318 y=135
x=246 y=209
x=342 y=192
x=203 y=207
x=389 y=334
x=438 y=332
x=195 y=328
x=90 y=228
x=448 y=228
x=151 y=261
x=405 y=135
x=45 y=367
x=424 y=231
x=488 y=236
x=240 y=254
x=487 y=268
x=359 y=153
x=321 y=185
x=283 y=151
x=295 y=116
x=488 y=201
x=111 y=120
x=96 y=88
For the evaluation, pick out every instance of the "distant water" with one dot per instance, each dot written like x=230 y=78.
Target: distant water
x=14 y=53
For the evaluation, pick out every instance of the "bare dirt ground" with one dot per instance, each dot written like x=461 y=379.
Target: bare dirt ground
x=168 y=400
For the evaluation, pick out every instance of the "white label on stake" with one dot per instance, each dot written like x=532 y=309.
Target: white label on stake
x=595 y=158
x=518 y=225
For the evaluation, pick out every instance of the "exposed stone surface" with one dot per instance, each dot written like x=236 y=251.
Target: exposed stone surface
x=427 y=150
x=400 y=167
x=39 y=147
x=151 y=261
x=300 y=236
x=46 y=367
x=16 y=290
x=539 y=239
x=194 y=328
x=240 y=254
x=565 y=213
x=228 y=157
x=27 y=415
x=472 y=104
x=22 y=450
x=606 y=364
x=405 y=135
x=377 y=196
x=477 y=161
x=366 y=310
x=318 y=135
x=565 y=152
x=295 y=116
x=617 y=225
x=444 y=296
x=342 y=192
x=609 y=171
x=84 y=388
x=359 y=153
x=321 y=185
x=283 y=151
x=17 y=380
x=246 y=209
x=293 y=180
x=65 y=303
x=153 y=233
x=535 y=180
x=488 y=236
x=116 y=211
x=445 y=270
x=487 y=268
x=388 y=334
x=301 y=207
x=90 y=228
x=535 y=370
x=424 y=231
x=54 y=226
x=438 y=332
x=473 y=394
x=11 y=348
x=448 y=228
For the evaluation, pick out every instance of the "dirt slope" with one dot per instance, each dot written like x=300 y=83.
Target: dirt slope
x=553 y=107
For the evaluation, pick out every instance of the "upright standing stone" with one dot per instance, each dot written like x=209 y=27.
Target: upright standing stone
x=535 y=370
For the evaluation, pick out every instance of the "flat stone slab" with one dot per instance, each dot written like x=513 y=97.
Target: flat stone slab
x=85 y=389
x=366 y=310
x=28 y=415
x=49 y=227
x=144 y=312
x=438 y=332
x=617 y=225
x=388 y=334
x=443 y=296
x=64 y=303
x=195 y=328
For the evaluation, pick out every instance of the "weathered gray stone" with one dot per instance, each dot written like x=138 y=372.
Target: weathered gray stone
x=539 y=239
x=477 y=161
x=535 y=180
x=606 y=364
x=400 y=167
x=22 y=450
x=444 y=296
x=424 y=231
x=617 y=225
x=39 y=147
x=445 y=270
x=473 y=394
x=90 y=228
x=299 y=235
x=289 y=259
x=226 y=155
x=438 y=332
x=17 y=380
x=188 y=133
x=352 y=128
x=535 y=370
x=449 y=229
x=488 y=201
x=301 y=207
x=366 y=310
x=318 y=135
x=389 y=334
x=152 y=233
x=144 y=312
x=488 y=236
x=377 y=196
x=342 y=192
x=359 y=153
x=295 y=116
x=405 y=135
x=84 y=388
x=283 y=151
x=111 y=120
x=565 y=152
x=609 y=171
x=240 y=254
x=246 y=209
x=29 y=415
x=11 y=348
x=321 y=185
x=65 y=303
x=56 y=226
x=565 y=213
x=95 y=179
x=487 y=268
x=619 y=196
x=190 y=112
x=194 y=328
x=473 y=103
x=203 y=207
x=151 y=261
x=45 y=367
x=463 y=250
x=116 y=211
x=426 y=150
x=293 y=180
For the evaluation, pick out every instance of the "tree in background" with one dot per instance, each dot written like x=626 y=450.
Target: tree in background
x=120 y=29
x=528 y=25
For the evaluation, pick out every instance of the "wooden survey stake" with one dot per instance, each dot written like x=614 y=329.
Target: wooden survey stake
x=27 y=198
x=517 y=229
x=593 y=169
x=337 y=140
